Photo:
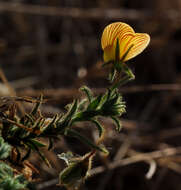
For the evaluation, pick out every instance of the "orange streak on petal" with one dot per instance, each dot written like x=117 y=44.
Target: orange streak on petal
x=140 y=42
x=114 y=31
x=126 y=36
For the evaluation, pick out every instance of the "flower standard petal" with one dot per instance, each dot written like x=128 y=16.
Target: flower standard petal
x=127 y=38
x=111 y=33
x=114 y=31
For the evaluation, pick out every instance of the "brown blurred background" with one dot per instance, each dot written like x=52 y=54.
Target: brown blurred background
x=54 y=47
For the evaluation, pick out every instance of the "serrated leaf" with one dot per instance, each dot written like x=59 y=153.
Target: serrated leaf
x=76 y=171
x=88 y=92
x=50 y=125
x=95 y=103
x=72 y=174
x=5 y=170
x=44 y=158
x=66 y=157
x=37 y=143
x=37 y=105
x=99 y=127
x=106 y=152
x=108 y=95
x=82 y=104
x=35 y=147
x=112 y=75
x=85 y=116
x=128 y=71
x=117 y=122
x=84 y=140
x=8 y=181
x=110 y=103
x=5 y=149
x=71 y=112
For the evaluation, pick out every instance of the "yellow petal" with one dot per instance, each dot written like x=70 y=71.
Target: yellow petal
x=110 y=34
x=109 y=54
x=127 y=37
x=140 y=41
x=114 y=31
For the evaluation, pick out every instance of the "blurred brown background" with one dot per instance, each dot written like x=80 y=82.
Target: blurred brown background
x=54 y=47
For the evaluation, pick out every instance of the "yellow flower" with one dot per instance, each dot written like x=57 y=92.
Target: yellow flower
x=127 y=38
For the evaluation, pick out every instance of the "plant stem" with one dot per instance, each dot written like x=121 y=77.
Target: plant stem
x=123 y=81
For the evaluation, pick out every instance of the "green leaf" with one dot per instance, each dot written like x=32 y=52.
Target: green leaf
x=8 y=181
x=37 y=105
x=108 y=95
x=112 y=75
x=88 y=92
x=5 y=149
x=36 y=126
x=109 y=103
x=85 y=115
x=72 y=174
x=95 y=103
x=117 y=122
x=82 y=104
x=5 y=170
x=68 y=119
x=71 y=112
x=35 y=147
x=37 y=143
x=28 y=118
x=44 y=158
x=99 y=127
x=76 y=171
x=84 y=140
x=50 y=125
x=67 y=157
x=129 y=72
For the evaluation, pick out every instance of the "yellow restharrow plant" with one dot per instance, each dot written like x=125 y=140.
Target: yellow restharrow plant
x=120 y=43
x=128 y=40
